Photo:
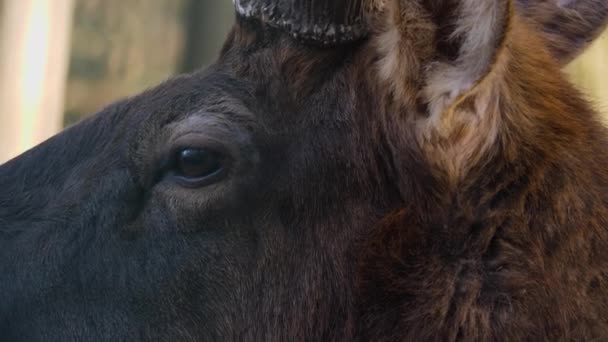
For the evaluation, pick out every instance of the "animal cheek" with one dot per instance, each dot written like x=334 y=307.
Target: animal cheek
x=152 y=216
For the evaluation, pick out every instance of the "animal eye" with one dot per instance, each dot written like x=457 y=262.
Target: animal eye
x=197 y=166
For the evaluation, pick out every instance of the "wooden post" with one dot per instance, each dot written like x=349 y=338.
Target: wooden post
x=34 y=57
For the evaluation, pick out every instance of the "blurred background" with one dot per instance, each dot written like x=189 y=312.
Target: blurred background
x=61 y=60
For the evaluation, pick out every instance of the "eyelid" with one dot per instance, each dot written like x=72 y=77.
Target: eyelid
x=204 y=131
x=199 y=140
x=201 y=131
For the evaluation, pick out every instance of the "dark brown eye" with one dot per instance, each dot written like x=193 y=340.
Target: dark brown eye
x=197 y=166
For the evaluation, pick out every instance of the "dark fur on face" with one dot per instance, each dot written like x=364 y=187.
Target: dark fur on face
x=451 y=186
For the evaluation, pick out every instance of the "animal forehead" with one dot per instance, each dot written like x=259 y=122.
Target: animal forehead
x=196 y=94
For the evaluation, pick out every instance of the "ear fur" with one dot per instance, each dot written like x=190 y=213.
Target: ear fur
x=437 y=53
x=566 y=26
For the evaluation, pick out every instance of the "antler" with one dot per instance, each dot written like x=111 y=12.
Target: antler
x=324 y=22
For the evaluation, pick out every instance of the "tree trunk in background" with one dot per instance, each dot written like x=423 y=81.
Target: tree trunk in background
x=120 y=48
x=34 y=42
x=209 y=24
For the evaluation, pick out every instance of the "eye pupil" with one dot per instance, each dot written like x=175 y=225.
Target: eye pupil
x=197 y=163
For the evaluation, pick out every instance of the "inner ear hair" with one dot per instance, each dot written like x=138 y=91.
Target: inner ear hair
x=435 y=58
x=439 y=48
x=472 y=39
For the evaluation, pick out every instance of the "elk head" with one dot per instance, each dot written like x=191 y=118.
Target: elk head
x=326 y=179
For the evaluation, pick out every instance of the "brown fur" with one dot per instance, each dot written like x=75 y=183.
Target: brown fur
x=509 y=239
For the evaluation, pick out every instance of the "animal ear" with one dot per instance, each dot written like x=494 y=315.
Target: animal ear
x=435 y=50
x=437 y=59
x=567 y=26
